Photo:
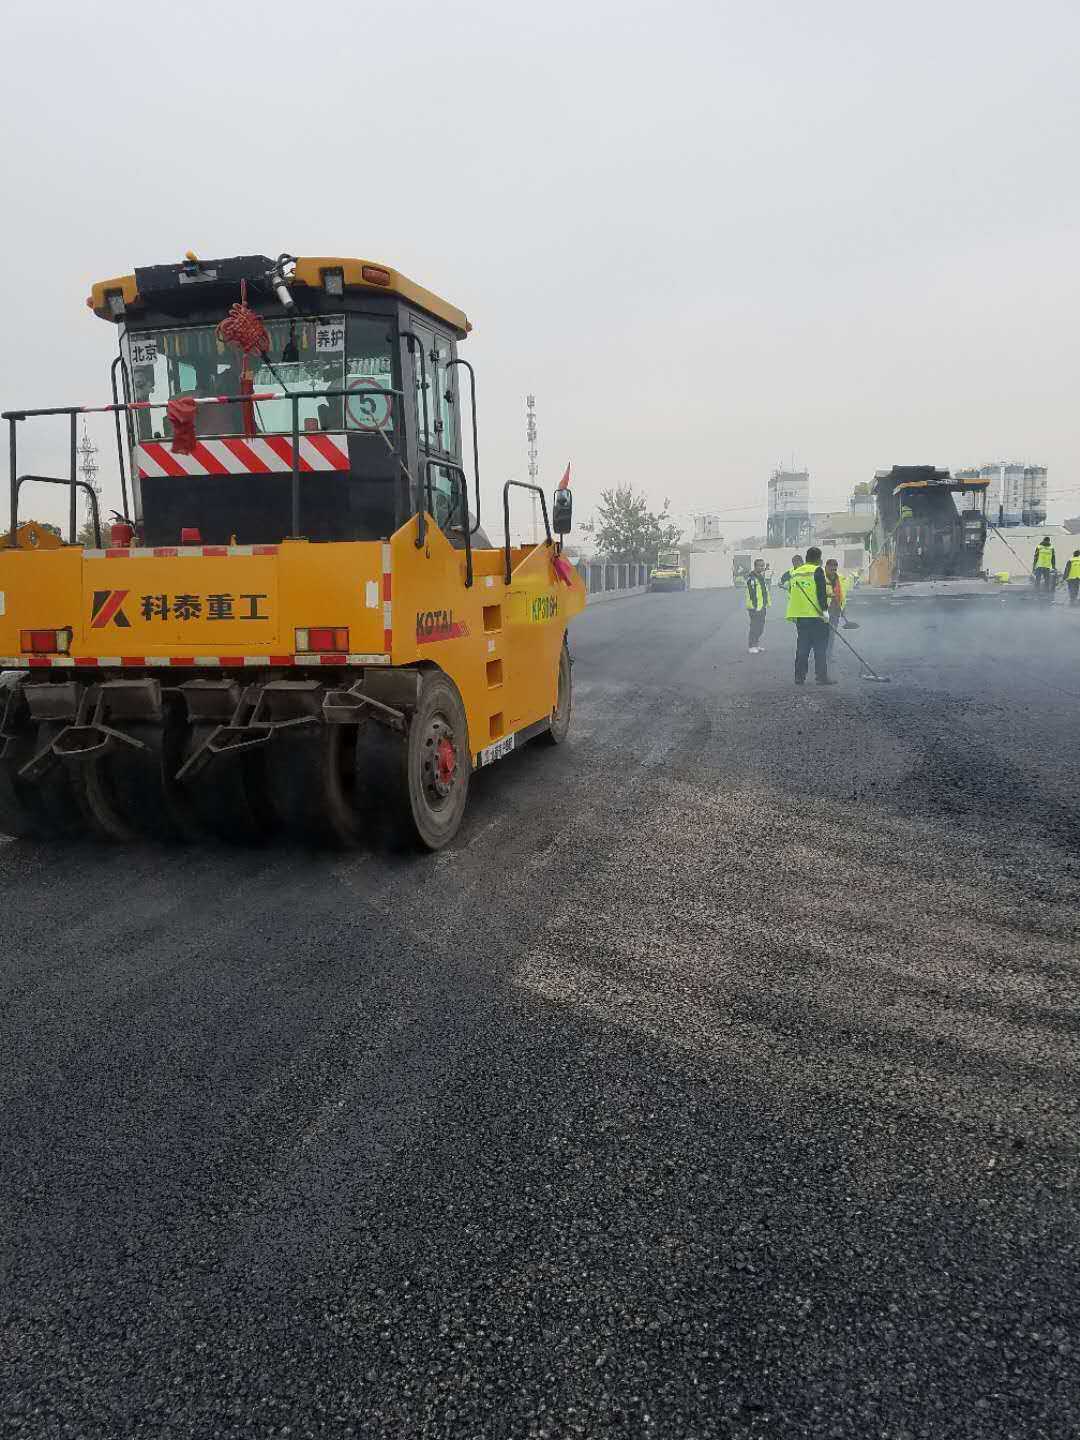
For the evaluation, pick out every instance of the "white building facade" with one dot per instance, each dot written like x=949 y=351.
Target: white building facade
x=789 y=507
x=1017 y=492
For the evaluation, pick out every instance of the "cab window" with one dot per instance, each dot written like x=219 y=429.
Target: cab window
x=369 y=375
x=444 y=386
x=424 y=391
x=192 y=361
x=331 y=352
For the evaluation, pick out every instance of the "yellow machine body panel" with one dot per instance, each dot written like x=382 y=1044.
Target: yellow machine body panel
x=881 y=570
x=32 y=536
x=191 y=608
x=370 y=275
x=499 y=644
x=243 y=606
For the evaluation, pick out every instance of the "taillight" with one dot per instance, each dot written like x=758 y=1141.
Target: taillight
x=322 y=638
x=45 y=642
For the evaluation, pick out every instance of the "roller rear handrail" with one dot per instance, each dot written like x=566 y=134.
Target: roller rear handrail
x=15 y=417
x=521 y=485
x=95 y=514
x=463 y=491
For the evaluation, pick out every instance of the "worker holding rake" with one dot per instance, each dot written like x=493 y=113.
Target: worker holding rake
x=808 y=606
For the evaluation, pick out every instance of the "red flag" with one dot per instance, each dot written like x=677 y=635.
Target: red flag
x=564 y=483
x=564 y=571
x=181 y=413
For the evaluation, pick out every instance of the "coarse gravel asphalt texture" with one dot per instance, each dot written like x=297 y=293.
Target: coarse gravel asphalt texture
x=721 y=1079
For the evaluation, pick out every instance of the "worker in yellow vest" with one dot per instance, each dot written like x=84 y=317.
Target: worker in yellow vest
x=758 y=601
x=785 y=579
x=834 y=584
x=1045 y=567
x=1072 y=576
x=808 y=606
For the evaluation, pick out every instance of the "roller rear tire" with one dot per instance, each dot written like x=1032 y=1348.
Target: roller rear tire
x=313 y=784
x=43 y=809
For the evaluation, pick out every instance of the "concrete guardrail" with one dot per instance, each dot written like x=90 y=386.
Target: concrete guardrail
x=608 y=580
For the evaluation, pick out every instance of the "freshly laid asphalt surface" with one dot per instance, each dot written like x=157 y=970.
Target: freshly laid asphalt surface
x=721 y=1080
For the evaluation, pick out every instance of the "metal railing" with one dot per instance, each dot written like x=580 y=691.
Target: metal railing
x=14 y=417
x=603 y=577
x=520 y=485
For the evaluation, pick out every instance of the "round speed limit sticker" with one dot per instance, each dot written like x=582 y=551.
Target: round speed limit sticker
x=368 y=405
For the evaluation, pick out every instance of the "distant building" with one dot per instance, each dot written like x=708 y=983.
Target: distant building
x=789 y=507
x=1035 y=495
x=843 y=526
x=862 y=500
x=707 y=529
x=1016 y=495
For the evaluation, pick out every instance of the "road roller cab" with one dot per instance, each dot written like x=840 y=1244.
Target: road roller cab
x=297 y=617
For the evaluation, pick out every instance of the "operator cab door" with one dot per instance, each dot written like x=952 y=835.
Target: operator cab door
x=436 y=391
x=438 y=437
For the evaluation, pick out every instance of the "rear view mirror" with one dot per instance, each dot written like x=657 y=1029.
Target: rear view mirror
x=562 y=510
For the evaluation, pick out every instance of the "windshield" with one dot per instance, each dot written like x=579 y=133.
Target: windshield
x=354 y=353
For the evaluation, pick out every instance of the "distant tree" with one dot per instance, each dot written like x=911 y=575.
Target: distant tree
x=626 y=529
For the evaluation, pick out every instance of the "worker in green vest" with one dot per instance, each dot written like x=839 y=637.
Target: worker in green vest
x=1072 y=576
x=1045 y=567
x=808 y=606
x=758 y=601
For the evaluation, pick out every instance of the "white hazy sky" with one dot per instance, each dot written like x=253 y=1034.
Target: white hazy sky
x=707 y=236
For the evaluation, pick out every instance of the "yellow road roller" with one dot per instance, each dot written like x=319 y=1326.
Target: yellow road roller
x=296 y=619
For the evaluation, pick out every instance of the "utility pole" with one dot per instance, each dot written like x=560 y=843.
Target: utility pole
x=530 y=435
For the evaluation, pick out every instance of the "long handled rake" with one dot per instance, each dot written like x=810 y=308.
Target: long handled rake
x=869 y=673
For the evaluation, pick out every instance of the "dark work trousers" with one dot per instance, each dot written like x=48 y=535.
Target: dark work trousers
x=836 y=618
x=1074 y=590
x=757 y=627
x=812 y=635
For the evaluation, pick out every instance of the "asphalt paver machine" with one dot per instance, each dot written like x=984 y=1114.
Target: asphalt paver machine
x=921 y=532
x=296 y=618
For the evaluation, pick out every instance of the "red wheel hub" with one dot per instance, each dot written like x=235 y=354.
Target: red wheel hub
x=445 y=762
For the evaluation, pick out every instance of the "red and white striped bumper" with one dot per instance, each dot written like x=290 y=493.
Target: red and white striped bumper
x=179 y=662
x=232 y=455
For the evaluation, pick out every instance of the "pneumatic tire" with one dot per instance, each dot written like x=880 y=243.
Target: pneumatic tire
x=564 y=699
x=43 y=809
x=419 y=782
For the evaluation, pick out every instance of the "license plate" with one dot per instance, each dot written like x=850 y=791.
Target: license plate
x=497 y=751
